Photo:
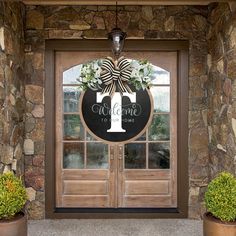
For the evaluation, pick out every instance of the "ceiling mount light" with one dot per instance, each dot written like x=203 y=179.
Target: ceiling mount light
x=117 y=38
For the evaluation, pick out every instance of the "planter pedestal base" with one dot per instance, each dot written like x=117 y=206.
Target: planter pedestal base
x=215 y=227
x=14 y=227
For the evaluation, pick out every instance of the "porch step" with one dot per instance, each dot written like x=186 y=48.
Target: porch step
x=116 y=227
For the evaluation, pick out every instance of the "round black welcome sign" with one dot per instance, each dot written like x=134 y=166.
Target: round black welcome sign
x=117 y=118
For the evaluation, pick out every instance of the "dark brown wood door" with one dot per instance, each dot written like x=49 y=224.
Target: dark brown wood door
x=140 y=174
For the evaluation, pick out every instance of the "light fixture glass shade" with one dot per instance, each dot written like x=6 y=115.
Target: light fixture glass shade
x=117 y=37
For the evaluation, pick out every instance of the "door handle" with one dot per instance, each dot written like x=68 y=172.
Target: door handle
x=120 y=157
x=112 y=158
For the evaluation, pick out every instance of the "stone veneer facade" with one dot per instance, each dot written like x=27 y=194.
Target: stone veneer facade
x=222 y=89
x=12 y=102
x=211 y=32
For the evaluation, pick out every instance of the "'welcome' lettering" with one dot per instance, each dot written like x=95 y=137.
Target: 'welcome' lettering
x=116 y=105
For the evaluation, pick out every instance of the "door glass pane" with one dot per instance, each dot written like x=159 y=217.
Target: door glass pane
x=135 y=156
x=71 y=75
x=160 y=128
x=73 y=156
x=97 y=156
x=159 y=155
x=90 y=137
x=161 y=97
x=73 y=129
x=160 y=76
x=71 y=99
x=142 y=137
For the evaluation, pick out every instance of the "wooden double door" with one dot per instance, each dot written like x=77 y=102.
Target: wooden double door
x=139 y=174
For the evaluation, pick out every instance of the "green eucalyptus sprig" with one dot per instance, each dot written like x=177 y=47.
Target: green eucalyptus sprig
x=141 y=74
x=90 y=75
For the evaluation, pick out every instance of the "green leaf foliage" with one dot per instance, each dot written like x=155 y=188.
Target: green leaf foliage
x=220 y=197
x=12 y=195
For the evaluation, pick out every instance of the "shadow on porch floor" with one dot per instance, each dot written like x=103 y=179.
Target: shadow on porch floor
x=125 y=227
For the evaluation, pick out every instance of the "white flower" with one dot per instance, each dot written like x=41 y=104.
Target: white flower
x=134 y=73
x=135 y=65
x=98 y=72
x=145 y=71
x=99 y=81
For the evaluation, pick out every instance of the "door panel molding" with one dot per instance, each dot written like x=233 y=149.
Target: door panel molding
x=52 y=46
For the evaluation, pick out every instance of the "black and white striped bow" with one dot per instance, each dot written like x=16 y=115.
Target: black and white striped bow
x=116 y=75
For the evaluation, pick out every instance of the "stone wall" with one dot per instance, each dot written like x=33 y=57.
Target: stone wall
x=222 y=89
x=141 y=22
x=12 y=102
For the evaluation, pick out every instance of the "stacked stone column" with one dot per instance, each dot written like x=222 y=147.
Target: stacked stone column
x=12 y=101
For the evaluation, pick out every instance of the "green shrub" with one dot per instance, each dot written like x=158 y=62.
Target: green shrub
x=12 y=195
x=220 y=197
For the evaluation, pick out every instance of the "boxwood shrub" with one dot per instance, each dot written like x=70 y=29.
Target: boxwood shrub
x=220 y=197
x=12 y=195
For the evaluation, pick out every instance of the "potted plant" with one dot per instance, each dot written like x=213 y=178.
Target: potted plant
x=220 y=200
x=13 y=197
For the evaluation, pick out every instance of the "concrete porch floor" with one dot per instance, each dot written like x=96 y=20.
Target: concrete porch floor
x=117 y=227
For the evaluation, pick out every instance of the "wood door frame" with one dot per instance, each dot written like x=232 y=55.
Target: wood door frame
x=182 y=47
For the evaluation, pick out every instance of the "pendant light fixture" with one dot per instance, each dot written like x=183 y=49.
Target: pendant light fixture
x=117 y=38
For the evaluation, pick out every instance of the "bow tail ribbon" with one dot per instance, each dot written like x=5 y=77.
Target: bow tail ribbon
x=123 y=87
x=111 y=88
